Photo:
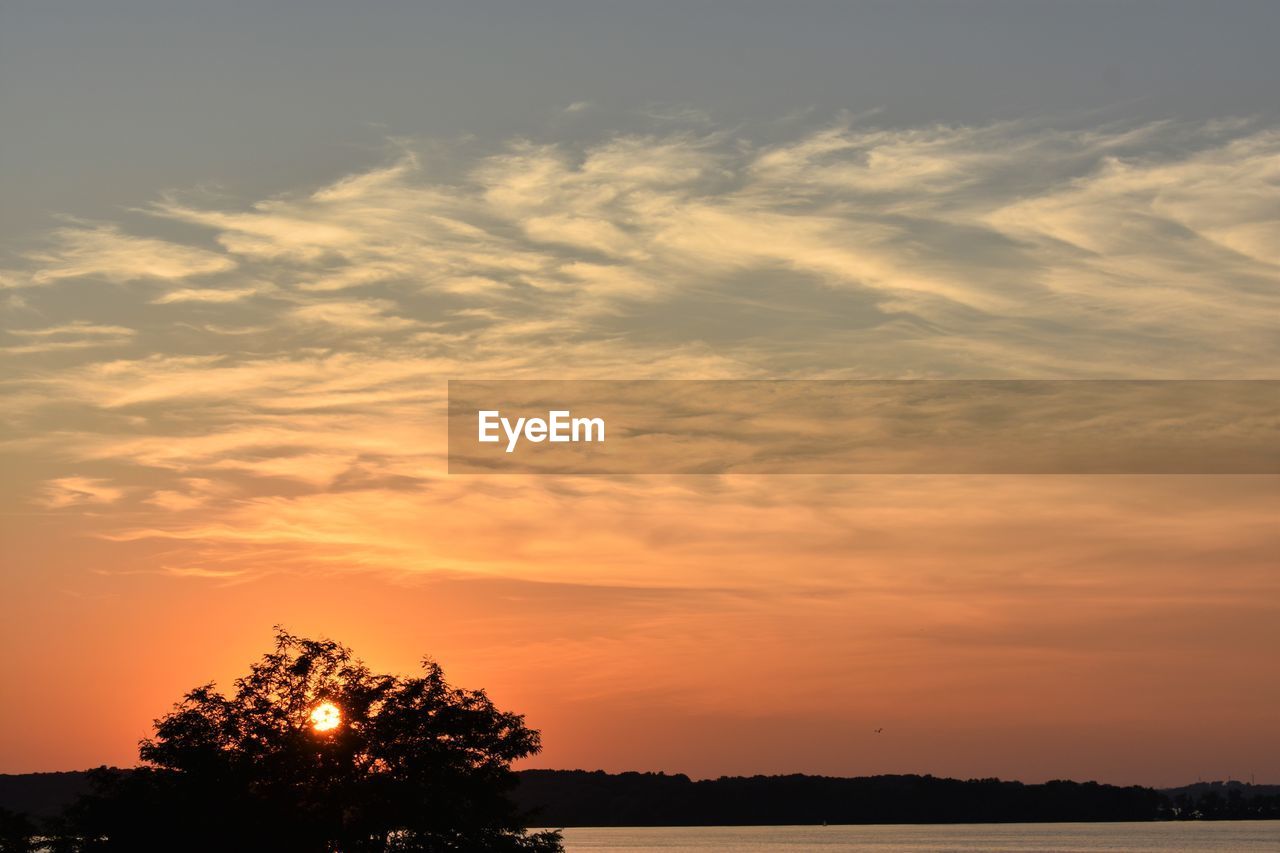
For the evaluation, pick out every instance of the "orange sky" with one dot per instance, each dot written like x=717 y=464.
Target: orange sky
x=1104 y=627
x=221 y=415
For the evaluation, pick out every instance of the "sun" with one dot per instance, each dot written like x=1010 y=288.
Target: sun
x=325 y=717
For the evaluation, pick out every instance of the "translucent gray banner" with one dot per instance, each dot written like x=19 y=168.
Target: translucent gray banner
x=864 y=427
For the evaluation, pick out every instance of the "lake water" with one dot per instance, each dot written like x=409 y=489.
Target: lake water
x=1230 y=836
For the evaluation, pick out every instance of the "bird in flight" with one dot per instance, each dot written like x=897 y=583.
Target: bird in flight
x=879 y=730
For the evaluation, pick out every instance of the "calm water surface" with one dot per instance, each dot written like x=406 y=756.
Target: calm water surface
x=1230 y=836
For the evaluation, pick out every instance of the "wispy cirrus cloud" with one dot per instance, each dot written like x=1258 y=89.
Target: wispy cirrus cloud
x=309 y=358
x=108 y=253
x=998 y=249
x=78 y=491
x=216 y=295
x=67 y=336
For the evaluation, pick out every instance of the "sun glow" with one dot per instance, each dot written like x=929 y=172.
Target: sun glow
x=325 y=717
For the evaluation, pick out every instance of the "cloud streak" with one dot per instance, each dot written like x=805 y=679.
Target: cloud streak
x=107 y=253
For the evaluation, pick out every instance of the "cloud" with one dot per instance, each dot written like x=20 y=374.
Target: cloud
x=106 y=252
x=216 y=295
x=202 y=573
x=68 y=336
x=1007 y=249
x=193 y=493
x=74 y=329
x=77 y=491
x=368 y=315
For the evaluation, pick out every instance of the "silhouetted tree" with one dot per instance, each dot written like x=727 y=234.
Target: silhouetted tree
x=413 y=764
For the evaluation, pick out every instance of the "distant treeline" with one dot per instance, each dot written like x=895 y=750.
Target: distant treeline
x=583 y=798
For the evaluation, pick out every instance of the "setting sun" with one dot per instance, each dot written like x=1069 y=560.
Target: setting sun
x=325 y=717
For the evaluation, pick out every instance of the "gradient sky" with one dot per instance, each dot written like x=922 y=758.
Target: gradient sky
x=244 y=250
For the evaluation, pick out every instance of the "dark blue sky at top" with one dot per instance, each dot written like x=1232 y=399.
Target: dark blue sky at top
x=107 y=103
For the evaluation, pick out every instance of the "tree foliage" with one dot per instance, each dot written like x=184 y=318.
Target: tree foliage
x=415 y=764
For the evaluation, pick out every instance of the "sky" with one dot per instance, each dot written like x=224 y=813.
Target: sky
x=243 y=250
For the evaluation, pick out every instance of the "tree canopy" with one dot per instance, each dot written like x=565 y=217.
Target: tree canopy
x=313 y=751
